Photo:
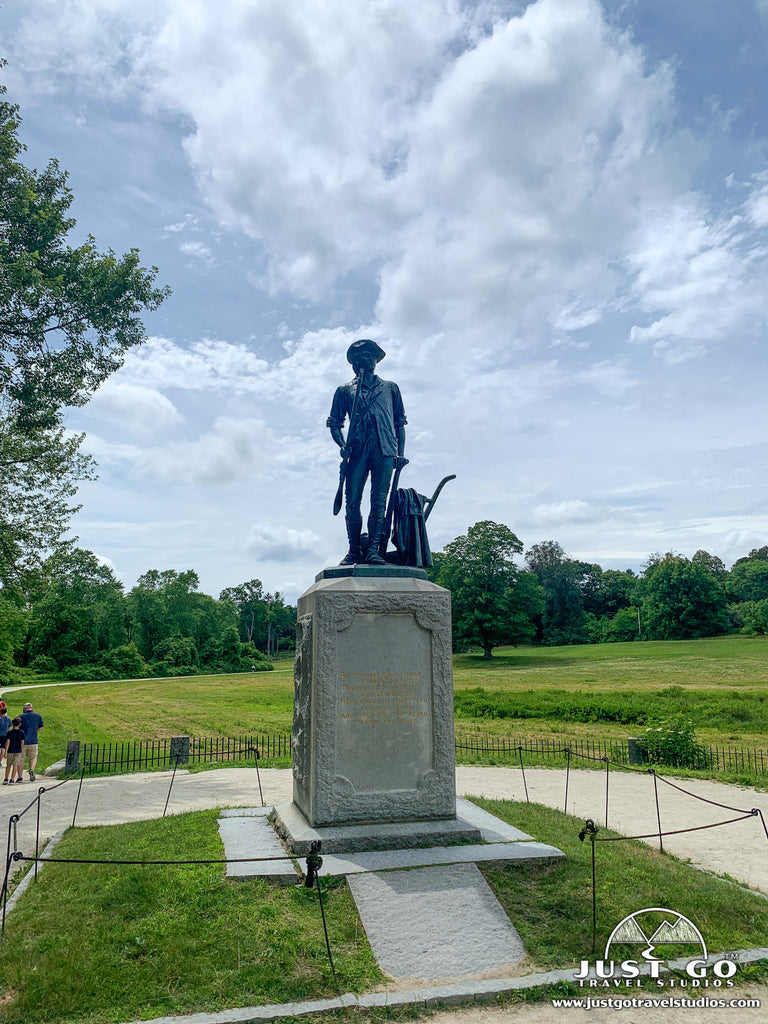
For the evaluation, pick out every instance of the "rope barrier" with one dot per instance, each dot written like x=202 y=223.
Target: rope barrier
x=675 y=832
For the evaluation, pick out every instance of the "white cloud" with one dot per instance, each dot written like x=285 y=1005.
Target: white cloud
x=232 y=449
x=574 y=510
x=196 y=250
x=703 y=277
x=281 y=543
x=141 y=409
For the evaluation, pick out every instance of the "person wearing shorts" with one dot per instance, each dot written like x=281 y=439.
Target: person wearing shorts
x=14 y=753
x=31 y=723
x=5 y=725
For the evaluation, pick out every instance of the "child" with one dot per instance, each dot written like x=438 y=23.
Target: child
x=14 y=751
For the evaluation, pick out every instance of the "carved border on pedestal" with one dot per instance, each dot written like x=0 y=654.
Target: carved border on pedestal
x=302 y=700
x=335 y=612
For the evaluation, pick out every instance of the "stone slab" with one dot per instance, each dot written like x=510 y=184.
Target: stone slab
x=435 y=922
x=254 y=837
x=298 y=835
x=487 y=853
x=245 y=812
x=492 y=829
x=335 y=572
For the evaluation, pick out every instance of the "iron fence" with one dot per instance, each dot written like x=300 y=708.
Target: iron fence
x=145 y=755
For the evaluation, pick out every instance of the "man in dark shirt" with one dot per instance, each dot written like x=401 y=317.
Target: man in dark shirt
x=31 y=723
x=374 y=445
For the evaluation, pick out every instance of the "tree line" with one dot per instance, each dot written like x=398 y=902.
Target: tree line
x=73 y=619
x=556 y=599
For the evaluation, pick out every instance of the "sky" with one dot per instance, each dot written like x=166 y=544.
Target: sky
x=552 y=216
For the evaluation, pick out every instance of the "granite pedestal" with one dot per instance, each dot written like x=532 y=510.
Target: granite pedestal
x=373 y=737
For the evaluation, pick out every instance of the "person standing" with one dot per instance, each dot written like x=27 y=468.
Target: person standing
x=14 y=753
x=5 y=725
x=31 y=723
x=374 y=445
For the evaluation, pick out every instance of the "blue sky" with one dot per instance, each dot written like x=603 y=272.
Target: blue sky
x=552 y=216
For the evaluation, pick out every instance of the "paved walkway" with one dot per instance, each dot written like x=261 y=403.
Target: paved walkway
x=739 y=849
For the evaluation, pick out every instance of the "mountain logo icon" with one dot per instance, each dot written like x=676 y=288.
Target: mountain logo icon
x=645 y=928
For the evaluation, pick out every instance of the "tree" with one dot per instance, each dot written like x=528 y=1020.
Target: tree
x=82 y=612
x=494 y=602
x=681 y=599
x=748 y=579
x=249 y=599
x=563 y=620
x=67 y=317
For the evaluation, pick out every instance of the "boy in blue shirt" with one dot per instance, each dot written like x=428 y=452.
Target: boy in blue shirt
x=14 y=751
x=31 y=722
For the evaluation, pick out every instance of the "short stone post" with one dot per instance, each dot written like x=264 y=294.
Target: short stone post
x=179 y=750
x=636 y=754
x=72 y=763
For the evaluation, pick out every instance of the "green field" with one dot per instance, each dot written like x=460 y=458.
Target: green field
x=606 y=691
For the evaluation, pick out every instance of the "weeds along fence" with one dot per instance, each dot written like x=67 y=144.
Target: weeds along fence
x=146 y=755
x=628 y=752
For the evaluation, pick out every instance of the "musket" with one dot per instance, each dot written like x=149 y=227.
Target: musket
x=391 y=508
x=345 y=461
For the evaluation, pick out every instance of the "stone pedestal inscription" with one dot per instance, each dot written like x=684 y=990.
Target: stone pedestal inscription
x=373 y=711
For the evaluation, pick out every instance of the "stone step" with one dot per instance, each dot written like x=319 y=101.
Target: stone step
x=435 y=923
x=253 y=836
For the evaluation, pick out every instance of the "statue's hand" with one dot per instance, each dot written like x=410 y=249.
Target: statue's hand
x=400 y=461
x=344 y=452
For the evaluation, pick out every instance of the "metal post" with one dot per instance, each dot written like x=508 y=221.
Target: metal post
x=40 y=792
x=171 y=785
x=522 y=769
x=567 y=777
x=607 y=771
x=79 y=788
x=314 y=863
x=8 y=861
x=590 y=830
x=255 y=752
x=658 y=814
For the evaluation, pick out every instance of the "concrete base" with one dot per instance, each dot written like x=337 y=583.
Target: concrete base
x=298 y=835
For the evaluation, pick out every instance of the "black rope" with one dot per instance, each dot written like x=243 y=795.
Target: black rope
x=726 y=807
x=675 y=832
x=76 y=860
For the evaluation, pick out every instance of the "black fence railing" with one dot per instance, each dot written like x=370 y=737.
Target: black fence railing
x=146 y=755
x=710 y=758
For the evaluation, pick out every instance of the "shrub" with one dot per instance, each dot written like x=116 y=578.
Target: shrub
x=126 y=662
x=86 y=673
x=44 y=664
x=673 y=743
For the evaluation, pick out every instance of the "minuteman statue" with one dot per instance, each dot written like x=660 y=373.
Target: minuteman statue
x=374 y=446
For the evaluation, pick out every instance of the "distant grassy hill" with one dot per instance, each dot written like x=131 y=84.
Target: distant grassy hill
x=603 y=690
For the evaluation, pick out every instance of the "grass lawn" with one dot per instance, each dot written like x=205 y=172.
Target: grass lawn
x=605 y=691
x=90 y=944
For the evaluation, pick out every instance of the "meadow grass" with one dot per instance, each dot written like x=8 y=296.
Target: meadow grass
x=598 y=691
x=99 y=943
x=144 y=941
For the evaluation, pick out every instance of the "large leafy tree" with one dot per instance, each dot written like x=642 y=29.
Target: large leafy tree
x=67 y=317
x=562 y=579
x=681 y=599
x=494 y=602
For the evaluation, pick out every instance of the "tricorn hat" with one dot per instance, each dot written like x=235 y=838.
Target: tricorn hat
x=365 y=345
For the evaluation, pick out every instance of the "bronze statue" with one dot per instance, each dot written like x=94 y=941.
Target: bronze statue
x=374 y=447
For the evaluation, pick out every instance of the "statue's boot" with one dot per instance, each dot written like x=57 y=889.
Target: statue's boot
x=355 y=554
x=371 y=555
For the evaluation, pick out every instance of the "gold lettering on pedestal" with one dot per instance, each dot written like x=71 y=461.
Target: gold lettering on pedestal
x=382 y=698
